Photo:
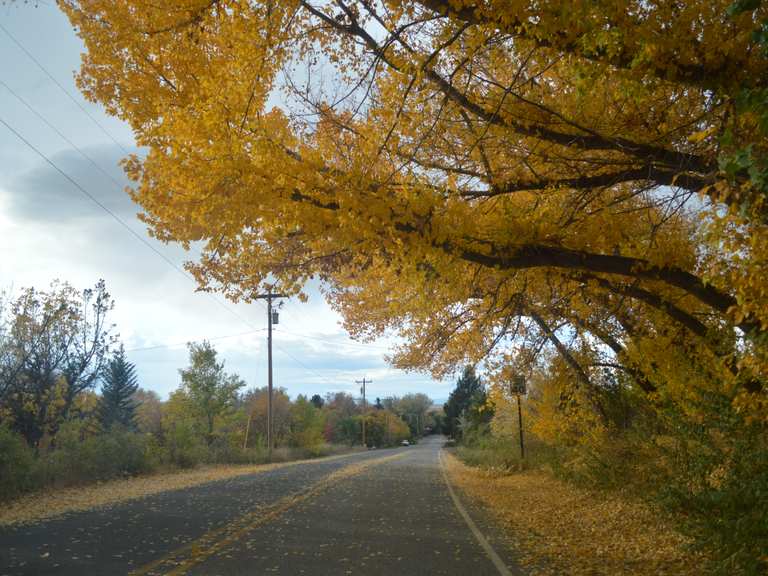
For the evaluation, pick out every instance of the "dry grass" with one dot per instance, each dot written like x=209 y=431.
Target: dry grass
x=55 y=502
x=561 y=529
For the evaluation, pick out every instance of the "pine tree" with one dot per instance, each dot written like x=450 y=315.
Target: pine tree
x=119 y=384
x=469 y=393
x=318 y=401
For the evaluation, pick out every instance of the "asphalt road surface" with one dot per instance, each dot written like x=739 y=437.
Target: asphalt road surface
x=377 y=512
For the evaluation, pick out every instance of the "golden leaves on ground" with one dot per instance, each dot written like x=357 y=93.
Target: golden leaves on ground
x=559 y=528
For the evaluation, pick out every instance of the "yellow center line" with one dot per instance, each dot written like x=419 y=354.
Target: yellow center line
x=182 y=559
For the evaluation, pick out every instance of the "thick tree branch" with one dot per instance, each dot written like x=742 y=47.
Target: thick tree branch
x=688 y=73
x=541 y=255
x=562 y=349
x=645 y=152
x=647 y=173
x=620 y=352
x=654 y=300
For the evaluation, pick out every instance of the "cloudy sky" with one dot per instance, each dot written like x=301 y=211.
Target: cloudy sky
x=50 y=229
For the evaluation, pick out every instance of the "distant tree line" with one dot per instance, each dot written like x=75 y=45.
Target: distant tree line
x=72 y=409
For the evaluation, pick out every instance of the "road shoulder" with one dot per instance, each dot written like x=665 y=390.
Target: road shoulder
x=557 y=528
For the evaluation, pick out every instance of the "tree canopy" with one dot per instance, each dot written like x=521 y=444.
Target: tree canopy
x=489 y=178
x=54 y=345
x=210 y=390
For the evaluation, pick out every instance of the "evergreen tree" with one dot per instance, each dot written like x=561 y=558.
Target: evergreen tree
x=317 y=400
x=119 y=384
x=465 y=398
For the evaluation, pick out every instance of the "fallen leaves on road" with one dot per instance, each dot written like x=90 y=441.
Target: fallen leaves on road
x=561 y=529
x=50 y=503
x=181 y=560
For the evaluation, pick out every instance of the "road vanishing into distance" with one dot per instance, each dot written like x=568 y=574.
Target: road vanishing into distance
x=377 y=512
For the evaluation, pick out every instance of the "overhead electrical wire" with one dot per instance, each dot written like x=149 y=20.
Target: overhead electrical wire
x=141 y=239
x=111 y=213
x=175 y=345
x=114 y=216
x=64 y=90
x=335 y=342
x=61 y=135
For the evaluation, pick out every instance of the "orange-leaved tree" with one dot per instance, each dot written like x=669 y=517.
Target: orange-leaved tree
x=487 y=177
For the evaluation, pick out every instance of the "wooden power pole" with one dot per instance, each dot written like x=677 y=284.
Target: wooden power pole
x=517 y=388
x=270 y=320
x=362 y=390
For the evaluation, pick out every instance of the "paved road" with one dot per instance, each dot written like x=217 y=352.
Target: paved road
x=379 y=512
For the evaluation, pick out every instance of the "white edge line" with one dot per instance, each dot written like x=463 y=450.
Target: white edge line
x=482 y=540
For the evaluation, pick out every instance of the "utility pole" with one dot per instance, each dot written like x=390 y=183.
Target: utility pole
x=517 y=388
x=362 y=390
x=270 y=319
x=520 y=425
x=247 y=429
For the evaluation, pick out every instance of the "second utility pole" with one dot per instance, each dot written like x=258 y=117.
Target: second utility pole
x=270 y=440
x=363 y=382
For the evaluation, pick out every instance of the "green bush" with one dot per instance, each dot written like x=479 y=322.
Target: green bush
x=720 y=486
x=227 y=449
x=17 y=465
x=186 y=448
x=113 y=454
x=503 y=453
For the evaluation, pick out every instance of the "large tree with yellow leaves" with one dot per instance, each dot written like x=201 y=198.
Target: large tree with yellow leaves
x=485 y=177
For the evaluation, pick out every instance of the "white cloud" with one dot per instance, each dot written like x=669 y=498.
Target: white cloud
x=50 y=230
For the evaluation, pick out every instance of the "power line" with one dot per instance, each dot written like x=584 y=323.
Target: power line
x=89 y=195
x=333 y=342
x=307 y=368
x=55 y=81
x=163 y=346
x=61 y=135
x=118 y=219
x=289 y=312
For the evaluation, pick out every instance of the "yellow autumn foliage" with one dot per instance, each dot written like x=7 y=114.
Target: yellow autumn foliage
x=471 y=175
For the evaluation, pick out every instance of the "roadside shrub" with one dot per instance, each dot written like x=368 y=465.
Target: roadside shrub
x=707 y=467
x=720 y=485
x=155 y=453
x=228 y=449
x=502 y=453
x=109 y=455
x=286 y=453
x=17 y=464
x=185 y=446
